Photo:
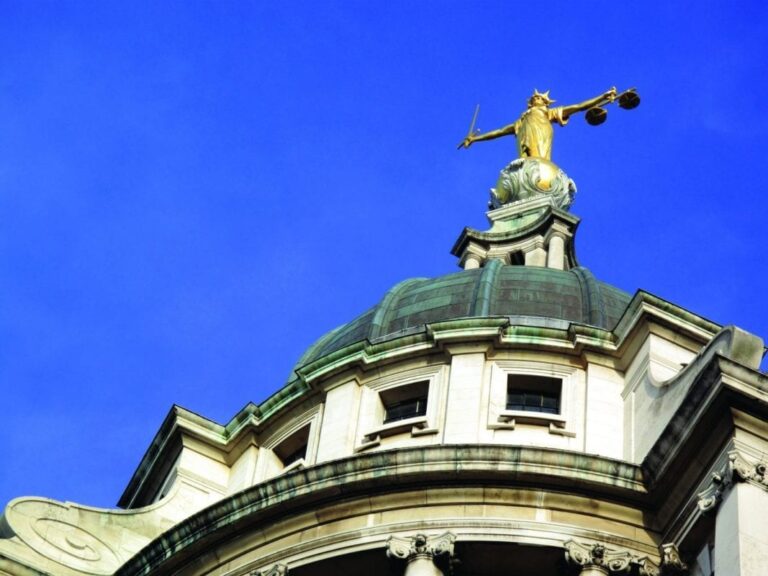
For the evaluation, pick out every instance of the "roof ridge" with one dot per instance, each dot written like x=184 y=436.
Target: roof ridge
x=481 y=299
x=384 y=308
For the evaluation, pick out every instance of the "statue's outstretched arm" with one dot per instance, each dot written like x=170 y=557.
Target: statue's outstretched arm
x=605 y=98
x=505 y=131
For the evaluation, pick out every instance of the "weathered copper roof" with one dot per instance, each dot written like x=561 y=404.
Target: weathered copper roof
x=494 y=290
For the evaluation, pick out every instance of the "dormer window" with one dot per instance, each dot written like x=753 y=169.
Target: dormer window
x=529 y=393
x=405 y=402
x=396 y=410
x=294 y=448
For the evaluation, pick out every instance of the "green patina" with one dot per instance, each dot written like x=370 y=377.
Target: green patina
x=496 y=290
x=361 y=476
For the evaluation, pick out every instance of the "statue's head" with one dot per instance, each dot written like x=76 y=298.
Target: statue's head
x=539 y=99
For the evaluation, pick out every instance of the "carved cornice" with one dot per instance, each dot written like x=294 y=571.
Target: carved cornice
x=412 y=547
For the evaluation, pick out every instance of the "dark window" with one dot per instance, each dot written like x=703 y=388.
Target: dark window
x=295 y=455
x=403 y=402
x=533 y=393
x=406 y=409
x=294 y=447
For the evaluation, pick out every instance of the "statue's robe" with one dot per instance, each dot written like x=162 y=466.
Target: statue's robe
x=534 y=131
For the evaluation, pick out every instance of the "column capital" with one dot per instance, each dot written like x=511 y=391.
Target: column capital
x=410 y=547
x=276 y=570
x=745 y=470
x=671 y=563
x=719 y=482
x=597 y=559
x=738 y=468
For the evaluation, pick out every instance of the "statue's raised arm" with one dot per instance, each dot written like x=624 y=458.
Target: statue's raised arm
x=533 y=174
x=534 y=127
x=605 y=98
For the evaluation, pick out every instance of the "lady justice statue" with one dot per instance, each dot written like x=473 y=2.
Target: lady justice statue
x=533 y=173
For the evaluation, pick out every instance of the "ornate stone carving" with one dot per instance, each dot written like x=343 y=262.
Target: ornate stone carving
x=276 y=570
x=57 y=531
x=526 y=178
x=671 y=563
x=424 y=555
x=710 y=497
x=420 y=545
x=597 y=559
x=597 y=555
x=737 y=469
x=745 y=471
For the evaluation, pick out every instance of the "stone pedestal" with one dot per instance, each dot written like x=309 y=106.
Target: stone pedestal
x=741 y=531
x=531 y=232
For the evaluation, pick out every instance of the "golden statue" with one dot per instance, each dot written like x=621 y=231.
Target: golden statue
x=533 y=174
x=534 y=127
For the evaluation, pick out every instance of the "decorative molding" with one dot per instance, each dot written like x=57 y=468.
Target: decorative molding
x=411 y=547
x=67 y=534
x=276 y=570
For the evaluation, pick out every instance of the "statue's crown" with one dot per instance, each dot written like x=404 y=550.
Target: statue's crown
x=543 y=95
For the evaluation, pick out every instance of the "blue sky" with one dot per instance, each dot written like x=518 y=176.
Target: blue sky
x=193 y=192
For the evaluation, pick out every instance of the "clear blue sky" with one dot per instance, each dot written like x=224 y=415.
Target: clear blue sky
x=192 y=192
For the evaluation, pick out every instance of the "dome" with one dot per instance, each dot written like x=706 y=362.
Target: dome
x=530 y=295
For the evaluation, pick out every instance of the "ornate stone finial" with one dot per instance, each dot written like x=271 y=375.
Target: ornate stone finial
x=671 y=563
x=597 y=559
x=276 y=570
x=422 y=552
x=534 y=174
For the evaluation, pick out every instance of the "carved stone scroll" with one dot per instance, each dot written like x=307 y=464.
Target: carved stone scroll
x=276 y=570
x=711 y=496
x=745 y=471
x=671 y=563
x=737 y=469
x=597 y=560
x=424 y=555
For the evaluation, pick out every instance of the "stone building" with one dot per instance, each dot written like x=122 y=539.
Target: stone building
x=518 y=417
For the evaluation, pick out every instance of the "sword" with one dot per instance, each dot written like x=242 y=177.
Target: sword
x=471 y=126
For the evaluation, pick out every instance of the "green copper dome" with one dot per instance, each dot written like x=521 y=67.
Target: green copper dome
x=526 y=294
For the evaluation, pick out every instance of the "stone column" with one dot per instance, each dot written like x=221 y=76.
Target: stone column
x=423 y=555
x=471 y=262
x=536 y=256
x=556 y=252
x=741 y=527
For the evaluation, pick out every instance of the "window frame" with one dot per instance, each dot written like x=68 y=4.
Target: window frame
x=502 y=418
x=373 y=407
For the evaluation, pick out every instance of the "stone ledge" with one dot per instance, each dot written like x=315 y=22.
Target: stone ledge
x=387 y=471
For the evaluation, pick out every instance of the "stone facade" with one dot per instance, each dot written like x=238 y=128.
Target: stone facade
x=419 y=450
